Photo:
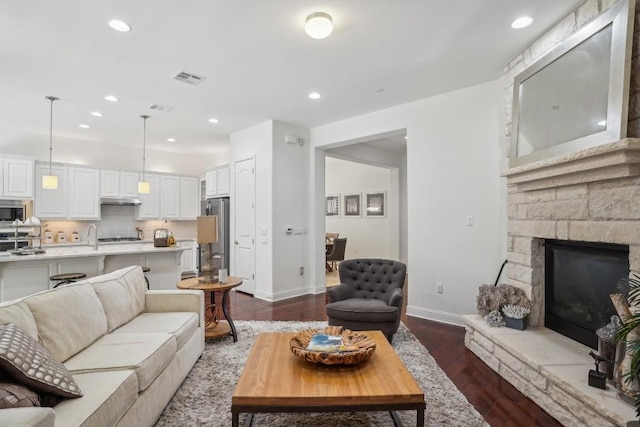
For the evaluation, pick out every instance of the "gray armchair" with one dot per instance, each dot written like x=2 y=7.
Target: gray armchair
x=369 y=296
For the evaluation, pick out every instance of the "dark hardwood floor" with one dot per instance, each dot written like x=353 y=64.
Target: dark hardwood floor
x=497 y=400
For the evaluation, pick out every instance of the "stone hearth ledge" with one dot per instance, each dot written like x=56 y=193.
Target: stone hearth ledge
x=550 y=369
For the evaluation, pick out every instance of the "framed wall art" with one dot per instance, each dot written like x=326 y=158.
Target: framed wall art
x=332 y=205
x=351 y=205
x=376 y=204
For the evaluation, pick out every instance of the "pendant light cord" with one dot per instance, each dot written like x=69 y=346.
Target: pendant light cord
x=51 y=98
x=144 y=143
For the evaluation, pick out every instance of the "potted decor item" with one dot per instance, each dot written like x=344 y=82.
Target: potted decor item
x=516 y=316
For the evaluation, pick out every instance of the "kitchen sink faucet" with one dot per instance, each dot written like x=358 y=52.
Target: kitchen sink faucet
x=95 y=241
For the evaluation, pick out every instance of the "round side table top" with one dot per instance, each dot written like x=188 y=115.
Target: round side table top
x=194 y=283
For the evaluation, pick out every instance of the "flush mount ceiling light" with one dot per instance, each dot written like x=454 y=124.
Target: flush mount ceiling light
x=213 y=120
x=96 y=114
x=111 y=98
x=84 y=126
x=171 y=139
x=118 y=25
x=50 y=182
x=319 y=25
x=143 y=186
x=523 y=21
x=315 y=95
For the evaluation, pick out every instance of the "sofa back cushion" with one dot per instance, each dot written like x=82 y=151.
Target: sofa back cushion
x=19 y=314
x=69 y=318
x=122 y=294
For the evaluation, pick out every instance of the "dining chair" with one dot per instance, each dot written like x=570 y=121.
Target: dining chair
x=336 y=252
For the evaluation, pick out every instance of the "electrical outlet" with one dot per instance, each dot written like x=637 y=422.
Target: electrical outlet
x=439 y=288
x=301 y=271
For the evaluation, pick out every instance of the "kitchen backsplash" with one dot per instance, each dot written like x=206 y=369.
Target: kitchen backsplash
x=120 y=221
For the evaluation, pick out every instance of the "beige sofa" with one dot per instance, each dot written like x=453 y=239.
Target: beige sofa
x=128 y=349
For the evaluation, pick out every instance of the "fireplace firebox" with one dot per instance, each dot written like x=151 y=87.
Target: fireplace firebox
x=579 y=276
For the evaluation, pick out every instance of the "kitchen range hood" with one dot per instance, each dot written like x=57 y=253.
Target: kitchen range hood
x=122 y=201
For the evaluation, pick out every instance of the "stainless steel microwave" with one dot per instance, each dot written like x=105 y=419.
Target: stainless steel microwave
x=10 y=210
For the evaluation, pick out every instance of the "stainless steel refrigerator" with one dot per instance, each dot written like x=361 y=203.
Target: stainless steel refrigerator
x=220 y=208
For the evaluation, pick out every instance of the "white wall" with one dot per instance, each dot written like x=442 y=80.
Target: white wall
x=282 y=185
x=256 y=142
x=453 y=157
x=367 y=237
x=290 y=209
x=115 y=156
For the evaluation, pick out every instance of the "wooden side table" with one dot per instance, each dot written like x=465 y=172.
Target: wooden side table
x=215 y=328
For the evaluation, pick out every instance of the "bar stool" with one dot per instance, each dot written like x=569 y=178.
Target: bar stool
x=65 y=278
x=146 y=270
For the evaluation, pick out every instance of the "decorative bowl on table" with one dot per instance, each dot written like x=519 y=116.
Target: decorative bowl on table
x=352 y=348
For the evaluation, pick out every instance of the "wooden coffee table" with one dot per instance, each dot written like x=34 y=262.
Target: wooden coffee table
x=275 y=380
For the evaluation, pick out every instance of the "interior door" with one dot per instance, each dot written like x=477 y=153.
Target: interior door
x=245 y=220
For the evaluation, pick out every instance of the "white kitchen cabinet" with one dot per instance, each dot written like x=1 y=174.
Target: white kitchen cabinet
x=150 y=207
x=169 y=197
x=129 y=184
x=118 y=184
x=17 y=178
x=189 y=198
x=84 y=190
x=188 y=256
x=218 y=182
x=51 y=204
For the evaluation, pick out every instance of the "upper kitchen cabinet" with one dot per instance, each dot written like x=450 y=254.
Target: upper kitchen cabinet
x=17 y=178
x=84 y=188
x=170 y=197
x=118 y=184
x=217 y=182
x=150 y=207
x=189 y=198
x=51 y=204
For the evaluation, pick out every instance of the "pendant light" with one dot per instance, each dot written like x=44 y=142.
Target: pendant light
x=143 y=186
x=50 y=182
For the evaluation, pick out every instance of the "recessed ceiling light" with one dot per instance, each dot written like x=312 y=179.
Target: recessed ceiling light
x=602 y=123
x=118 y=25
x=212 y=120
x=315 y=95
x=111 y=98
x=84 y=126
x=97 y=114
x=171 y=139
x=319 y=25
x=523 y=21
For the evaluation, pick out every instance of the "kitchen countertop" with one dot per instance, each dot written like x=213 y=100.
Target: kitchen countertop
x=82 y=250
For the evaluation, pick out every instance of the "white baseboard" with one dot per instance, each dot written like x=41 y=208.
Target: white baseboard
x=435 y=315
x=289 y=294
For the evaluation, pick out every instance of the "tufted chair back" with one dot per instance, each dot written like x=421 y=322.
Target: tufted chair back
x=373 y=278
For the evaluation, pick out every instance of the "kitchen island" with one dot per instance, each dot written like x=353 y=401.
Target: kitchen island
x=22 y=275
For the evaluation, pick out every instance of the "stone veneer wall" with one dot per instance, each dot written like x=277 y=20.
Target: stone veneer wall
x=588 y=195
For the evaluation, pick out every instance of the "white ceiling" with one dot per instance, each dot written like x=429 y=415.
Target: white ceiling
x=258 y=62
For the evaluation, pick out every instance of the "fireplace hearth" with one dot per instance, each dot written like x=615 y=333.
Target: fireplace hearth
x=579 y=277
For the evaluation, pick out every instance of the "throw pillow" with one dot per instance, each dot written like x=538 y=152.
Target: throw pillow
x=29 y=363
x=17 y=396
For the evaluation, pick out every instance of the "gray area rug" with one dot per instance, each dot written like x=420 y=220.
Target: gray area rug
x=204 y=399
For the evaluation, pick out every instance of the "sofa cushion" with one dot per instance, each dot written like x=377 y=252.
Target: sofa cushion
x=14 y=395
x=122 y=294
x=29 y=363
x=31 y=417
x=147 y=354
x=180 y=325
x=68 y=318
x=19 y=314
x=107 y=396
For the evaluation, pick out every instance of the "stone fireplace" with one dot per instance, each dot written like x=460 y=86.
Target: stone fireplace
x=588 y=196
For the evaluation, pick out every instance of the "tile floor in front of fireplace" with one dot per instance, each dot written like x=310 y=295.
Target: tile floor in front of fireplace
x=492 y=396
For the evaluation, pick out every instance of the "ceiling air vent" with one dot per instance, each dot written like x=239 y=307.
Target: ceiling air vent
x=160 y=107
x=188 y=78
